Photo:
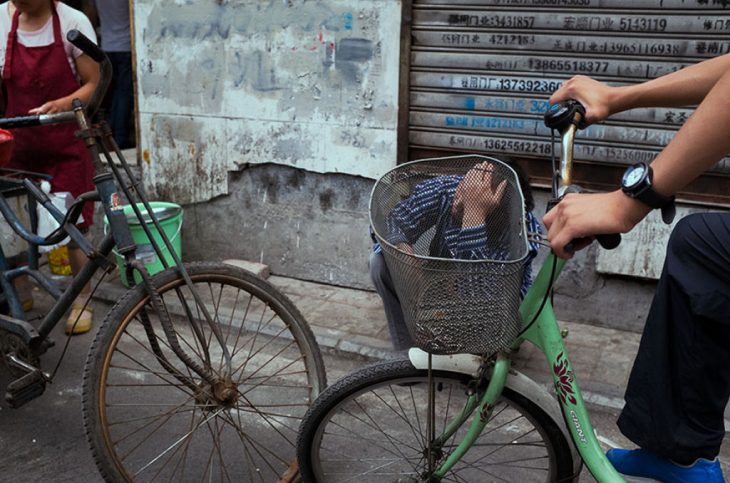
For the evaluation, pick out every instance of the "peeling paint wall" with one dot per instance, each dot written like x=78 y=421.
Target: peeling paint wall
x=303 y=83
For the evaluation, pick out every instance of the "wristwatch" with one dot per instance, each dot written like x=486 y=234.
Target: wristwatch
x=636 y=183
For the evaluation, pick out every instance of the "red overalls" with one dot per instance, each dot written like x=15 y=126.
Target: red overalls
x=33 y=76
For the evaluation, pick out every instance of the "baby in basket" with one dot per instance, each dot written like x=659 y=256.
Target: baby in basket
x=457 y=207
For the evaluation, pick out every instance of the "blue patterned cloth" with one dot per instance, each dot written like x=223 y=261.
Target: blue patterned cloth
x=432 y=200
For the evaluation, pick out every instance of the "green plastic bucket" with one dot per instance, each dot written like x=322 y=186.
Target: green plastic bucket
x=170 y=216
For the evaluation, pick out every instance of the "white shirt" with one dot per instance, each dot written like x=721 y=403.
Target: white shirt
x=69 y=18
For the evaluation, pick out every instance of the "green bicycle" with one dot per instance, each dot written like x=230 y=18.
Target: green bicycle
x=444 y=413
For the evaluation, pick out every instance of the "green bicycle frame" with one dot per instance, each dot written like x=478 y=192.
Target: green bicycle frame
x=545 y=334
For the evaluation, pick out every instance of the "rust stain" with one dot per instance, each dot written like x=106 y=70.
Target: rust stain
x=146 y=156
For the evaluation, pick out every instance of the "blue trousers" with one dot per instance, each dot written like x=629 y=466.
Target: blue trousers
x=680 y=383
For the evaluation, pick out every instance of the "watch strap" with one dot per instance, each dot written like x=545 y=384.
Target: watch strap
x=650 y=197
x=669 y=210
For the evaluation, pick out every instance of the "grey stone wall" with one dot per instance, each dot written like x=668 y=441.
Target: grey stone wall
x=302 y=224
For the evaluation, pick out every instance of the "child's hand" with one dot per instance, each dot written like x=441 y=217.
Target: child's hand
x=475 y=198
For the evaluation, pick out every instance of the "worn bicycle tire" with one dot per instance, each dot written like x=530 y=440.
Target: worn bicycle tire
x=118 y=322
x=401 y=374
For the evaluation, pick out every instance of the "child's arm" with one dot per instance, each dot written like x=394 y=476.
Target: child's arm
x=89 y=73
x=411 y=217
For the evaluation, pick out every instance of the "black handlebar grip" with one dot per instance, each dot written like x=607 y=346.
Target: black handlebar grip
x=609 y=242
x=87 y=46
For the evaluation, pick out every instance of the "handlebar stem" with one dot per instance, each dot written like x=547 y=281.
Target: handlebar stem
x=566 y=159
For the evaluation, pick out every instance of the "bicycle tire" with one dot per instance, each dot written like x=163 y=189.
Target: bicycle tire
x=143 y=424
x=369 y=426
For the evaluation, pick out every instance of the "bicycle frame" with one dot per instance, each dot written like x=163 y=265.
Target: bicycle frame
x=545 y=334
x=540 y=327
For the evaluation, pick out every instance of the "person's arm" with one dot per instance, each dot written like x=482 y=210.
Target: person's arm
x=684 y=87
x=411 y=217
x=89 y=73
x=474 y=200
x=701 y=142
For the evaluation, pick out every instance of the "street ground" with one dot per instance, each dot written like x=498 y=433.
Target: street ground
x=45 y=439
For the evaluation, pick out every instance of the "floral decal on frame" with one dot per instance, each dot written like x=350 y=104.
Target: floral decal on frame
x=564 y=382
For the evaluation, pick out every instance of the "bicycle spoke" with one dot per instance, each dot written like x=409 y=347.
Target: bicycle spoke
x=243 y=323
x=172 y=455
x=390 y=439
x=369 y=428
x=242 y=367
x=271 y=376
x=176 y=443
x=230 y=319
x=143 y=365
x=358 y=437
x=139 y=419
x=267 y=420
x=256 y=445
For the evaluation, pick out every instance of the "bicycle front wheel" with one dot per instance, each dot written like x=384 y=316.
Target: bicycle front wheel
x=372 y=427
x=149 y=416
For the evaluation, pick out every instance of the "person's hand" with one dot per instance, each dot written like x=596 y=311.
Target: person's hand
x=585 y=215
x=594 y=95
x=475 y=198
x=50 y=107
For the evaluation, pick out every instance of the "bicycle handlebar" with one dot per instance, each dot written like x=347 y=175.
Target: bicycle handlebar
x=87 y=46
x=567 y=117
x=92 y=50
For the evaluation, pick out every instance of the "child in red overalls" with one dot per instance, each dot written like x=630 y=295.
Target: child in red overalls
x=42 y=73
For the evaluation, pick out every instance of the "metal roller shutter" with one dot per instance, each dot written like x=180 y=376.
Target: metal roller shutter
x=481 y=71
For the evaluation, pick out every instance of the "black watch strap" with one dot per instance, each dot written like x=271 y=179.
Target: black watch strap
x=650 y=197
x=655 y=200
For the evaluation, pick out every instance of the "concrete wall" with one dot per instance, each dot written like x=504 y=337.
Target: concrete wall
x=302 y=224
x=223 y=84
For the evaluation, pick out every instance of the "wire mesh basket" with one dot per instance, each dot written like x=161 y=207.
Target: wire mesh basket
x=454 y=240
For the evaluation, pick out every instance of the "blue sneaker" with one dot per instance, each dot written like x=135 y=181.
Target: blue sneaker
x=642 y=463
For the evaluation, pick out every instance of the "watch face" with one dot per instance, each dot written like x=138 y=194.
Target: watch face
x=634 y=175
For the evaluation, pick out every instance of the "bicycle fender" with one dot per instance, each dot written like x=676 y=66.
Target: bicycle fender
x=516 y=381
x=462 y=363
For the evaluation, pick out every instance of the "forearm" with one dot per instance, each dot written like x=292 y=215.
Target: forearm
x=701 y=142
x=684 y=87
x=83 y=93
